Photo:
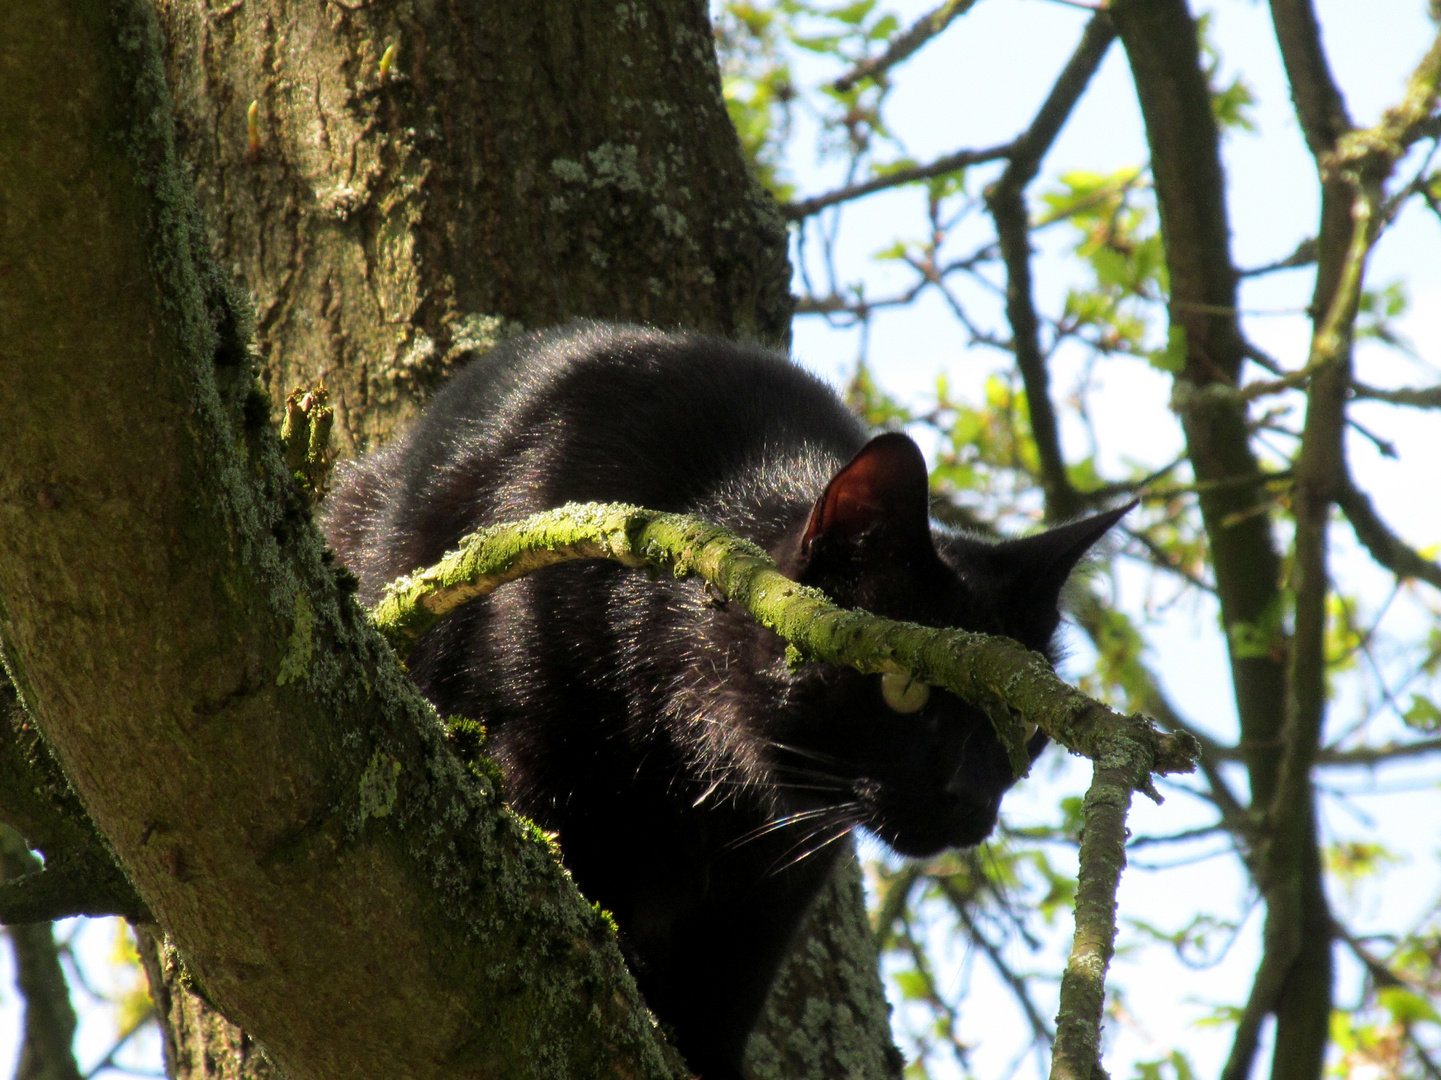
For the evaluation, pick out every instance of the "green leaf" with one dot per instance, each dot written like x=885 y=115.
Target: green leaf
x=1174 y=1065
x=854 y=13
x=1173 y=357
x=1406 y=1006
x=1351 y=860
x=1229 y=105
x=824 y=44
x=884 y=27
x=890 y=168
x=912 y=985
x=1262 y=639
x=1423 y=714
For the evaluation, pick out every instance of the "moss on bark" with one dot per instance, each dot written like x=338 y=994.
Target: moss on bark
x=1012 y=684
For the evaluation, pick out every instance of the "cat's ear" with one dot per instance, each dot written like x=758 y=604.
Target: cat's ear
x=1039 y=565
x=881 y=497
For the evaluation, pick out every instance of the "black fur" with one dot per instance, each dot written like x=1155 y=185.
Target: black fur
x=697 y=786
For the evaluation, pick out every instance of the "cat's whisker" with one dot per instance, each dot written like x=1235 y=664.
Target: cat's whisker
x=806 y=752
x=821 y=783
x=708 y=792
x=797 y=818
x=843 y=827
x=840 y=783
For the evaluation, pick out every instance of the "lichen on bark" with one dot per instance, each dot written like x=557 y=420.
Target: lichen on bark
x=1009 y=682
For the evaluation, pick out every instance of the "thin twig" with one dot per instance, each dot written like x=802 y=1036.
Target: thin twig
x=1007 y=202
x=795 y=211
x=902 y=46
x=1385 y=547
x=1304 y=255
x=1162 y=559
x=108 y=1061
x=1422 y=397
x=1363 y=756
x=1177 y=838
x=1017 y=984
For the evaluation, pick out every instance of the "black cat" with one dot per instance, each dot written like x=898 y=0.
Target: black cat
x=697 y=785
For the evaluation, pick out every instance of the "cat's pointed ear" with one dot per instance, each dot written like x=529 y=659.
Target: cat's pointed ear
x=1041 y=563
x=882 y=496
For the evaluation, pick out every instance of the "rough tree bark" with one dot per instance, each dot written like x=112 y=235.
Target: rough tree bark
x=412 y=182
x=281 y=800
x=513 y=165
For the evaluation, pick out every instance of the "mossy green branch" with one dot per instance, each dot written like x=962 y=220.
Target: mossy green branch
x=1012 y=684
x=1116 y=774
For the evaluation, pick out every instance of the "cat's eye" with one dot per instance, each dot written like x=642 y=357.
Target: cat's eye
x=904 y=694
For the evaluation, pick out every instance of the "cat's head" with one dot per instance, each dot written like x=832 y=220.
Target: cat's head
x=913 y=764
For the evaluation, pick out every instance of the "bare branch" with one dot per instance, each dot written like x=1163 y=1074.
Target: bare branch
x=1161 y=44
x=1004 y=680
x=1363 y=756
x=1385 y=447
x=1103 y=855
x=795 y=211
x=902 y=46
x=1319 y=104
x=1280 y=950
x=1295 y=976
x=1385 y=547
x=1421 y=397
x=1034 y=143
x=1007 y=202
x=1304 y=255
x=1292 y=381
x=1376 y=755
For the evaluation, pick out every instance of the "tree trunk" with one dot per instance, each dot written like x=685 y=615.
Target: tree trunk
x=511 y=165
x=412 y=182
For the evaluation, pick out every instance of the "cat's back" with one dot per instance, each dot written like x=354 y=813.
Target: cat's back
x=591 y=412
